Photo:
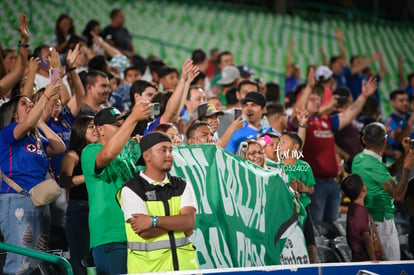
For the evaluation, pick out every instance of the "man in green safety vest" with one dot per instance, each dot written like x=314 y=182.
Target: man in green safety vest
x=159 y=211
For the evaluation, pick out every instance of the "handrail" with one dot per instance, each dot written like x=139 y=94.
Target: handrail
x=38 y=255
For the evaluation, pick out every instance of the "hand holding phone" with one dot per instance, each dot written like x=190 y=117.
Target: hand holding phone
x=53 y=75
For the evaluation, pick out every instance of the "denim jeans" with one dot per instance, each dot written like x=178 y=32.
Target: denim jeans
x=77 y=230
x=110 y=258
x=22 y=224
x=325 y=201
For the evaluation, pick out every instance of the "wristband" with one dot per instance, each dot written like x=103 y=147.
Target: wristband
x=303 y=126
x=21 y=45
x=48 y=98
x=71 y=69
x=154 y=221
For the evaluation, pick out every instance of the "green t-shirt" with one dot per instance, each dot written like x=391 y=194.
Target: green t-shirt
x=106 y=220
x=300 y=171
x=374 y=174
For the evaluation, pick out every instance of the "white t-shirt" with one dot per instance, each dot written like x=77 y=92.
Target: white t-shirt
x=131 y=203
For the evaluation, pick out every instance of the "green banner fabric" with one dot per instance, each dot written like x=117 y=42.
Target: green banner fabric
x=246 y=215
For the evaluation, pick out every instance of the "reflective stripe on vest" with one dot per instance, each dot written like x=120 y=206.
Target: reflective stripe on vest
x=157 y=245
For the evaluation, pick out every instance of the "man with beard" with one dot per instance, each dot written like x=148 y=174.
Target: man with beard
x=253 y=108
x=97 y=89
x=159 y=211
x=400 y=122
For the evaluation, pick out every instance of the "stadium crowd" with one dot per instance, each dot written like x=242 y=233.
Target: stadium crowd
x=69 y=110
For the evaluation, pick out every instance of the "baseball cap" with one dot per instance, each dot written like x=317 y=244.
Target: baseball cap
x=245 y=71
x=323 y=73
x=206 y=110
x=108 y=116
x=229 y=74
x=256 y=97
x=148 y=141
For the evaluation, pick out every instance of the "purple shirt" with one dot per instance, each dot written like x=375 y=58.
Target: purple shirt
x=358 y=221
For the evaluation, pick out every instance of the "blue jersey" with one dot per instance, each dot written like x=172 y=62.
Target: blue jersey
x=62 y=127
x=22 y=160
x=152 y=125
x=396 y=121
x=246 y=133
x=341 y=78
x=290 y=84
x=354 y=82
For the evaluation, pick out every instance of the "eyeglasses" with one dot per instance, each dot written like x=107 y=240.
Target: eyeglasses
x=91 y=126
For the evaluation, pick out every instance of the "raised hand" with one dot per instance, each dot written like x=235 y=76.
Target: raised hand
x=54 y=60
x=96 y=38
x=52 y=90
x=339 y=34
x=310 y=81
x=369 y=87
x=23 y=29
x=33 y=65
x=291 y=44
x=302 y=115
x=188 y=67
x=141 y=110
x=72 y=55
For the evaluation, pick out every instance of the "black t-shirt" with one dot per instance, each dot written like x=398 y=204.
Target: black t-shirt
x=121 y=37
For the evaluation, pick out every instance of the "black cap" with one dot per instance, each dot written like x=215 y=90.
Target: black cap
x=108 y=116
x=206 y=110
x=150 y=140
x=256 y=97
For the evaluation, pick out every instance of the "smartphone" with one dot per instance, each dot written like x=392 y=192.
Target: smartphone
x=411 y=142
x=237 y=113
x=155 y=109
x=53 y=75
x=242 y=149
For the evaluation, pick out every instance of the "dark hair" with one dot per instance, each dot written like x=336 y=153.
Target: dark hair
x=166 y=70
x=374 y=134
x=193 y=87
x=411 y=75
x=98 y=63
x=114 y=13
x=162 y=99
x=8 y=110
x=333 y=60
x=222 y=54
x=231 y=97
x=248 y=81
x=198 y=56
x=272 y=92
x=352 y=186
x=37 y=52
x=393 y=94
x=353 y=58
x=5 y=52
x=294 y=137
x=199 y=77
x=275 y=108
x=87 y=31
x=138 y=87
x=163 y=127
x=155 y=64
x=91 y=76
x=370 y=107
x=77 y=139
x=131 y=68
x=61 y=37
x=139 y=62
x=342 y=92
x=290 y=99
x=193 y=127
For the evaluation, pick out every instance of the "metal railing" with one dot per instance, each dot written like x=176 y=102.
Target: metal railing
x=38 y=255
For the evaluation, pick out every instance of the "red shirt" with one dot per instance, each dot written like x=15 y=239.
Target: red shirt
x=319 y=148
